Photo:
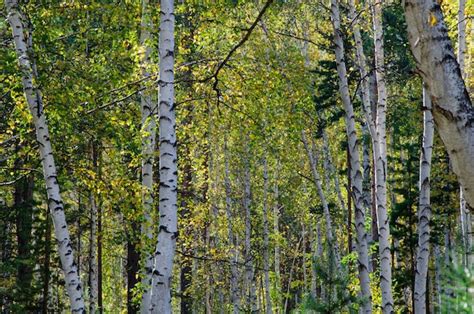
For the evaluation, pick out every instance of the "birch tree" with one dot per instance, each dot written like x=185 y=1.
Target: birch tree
x=266 y=259
x=452 y=109
x=356 y=175
x=381 y=164
x=234 y=272
x=424 y=210
x=148 y=125
x=327 y=216
x=465 y=214
x=55 y=203
x=167 y=230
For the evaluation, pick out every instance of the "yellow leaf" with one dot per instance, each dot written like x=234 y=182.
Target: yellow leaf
x=433 y=20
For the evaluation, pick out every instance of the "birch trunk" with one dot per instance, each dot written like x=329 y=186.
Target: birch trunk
x=249 y=285
x=466 y=217
x=167 y=231
x=266 y=259
x=276 y=233
x=356 y=175
x=327 y=215
x=234 y=274
x=381 y=164
x=93 y=284
x=424 y=211
x=452 y=109
x=55 y=203
x=148 y=126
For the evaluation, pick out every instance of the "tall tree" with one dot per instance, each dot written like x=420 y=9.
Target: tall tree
x=148 y=125
x=168 y=226
x=381 y=163
x=452 y=109
x=55 y=202
x=424 y=210
x=356 y=174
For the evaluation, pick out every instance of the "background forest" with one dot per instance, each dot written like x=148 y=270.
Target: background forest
x=275 y=192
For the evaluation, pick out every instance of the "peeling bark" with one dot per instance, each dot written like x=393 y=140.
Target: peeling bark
x=452 y=109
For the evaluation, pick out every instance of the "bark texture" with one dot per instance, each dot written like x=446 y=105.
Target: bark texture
x=381 y=163
x=356 y=174
x=148 y=125
x=168 y=229
x=55 y=203
x=452 y=109
x=424 y=210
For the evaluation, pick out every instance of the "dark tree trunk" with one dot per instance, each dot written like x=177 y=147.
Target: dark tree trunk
x=23 y=198
x=46 y=270
x=133 y=259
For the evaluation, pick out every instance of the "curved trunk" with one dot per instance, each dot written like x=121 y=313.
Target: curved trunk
x=168 y=229
x=55 y=203
x=356 y=174
x=322 y=198
x=452 y=109
x=424 y=211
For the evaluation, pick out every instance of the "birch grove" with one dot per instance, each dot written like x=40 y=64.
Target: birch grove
x=236 y=156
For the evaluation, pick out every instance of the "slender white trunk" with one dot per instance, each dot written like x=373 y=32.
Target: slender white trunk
x=93 y=269
x=452 y=109
x=314 y=275
x=234 y=272
x=356 y=175
x=168 y=229
x=381 y=164
x=249 y=285
x=424 y=210
x=266 y=259
x=148 y=126
x=331 y=170
x=319 y=256
x=322 y=198
x=276 y=234
x=55 y=203
x=465 y=213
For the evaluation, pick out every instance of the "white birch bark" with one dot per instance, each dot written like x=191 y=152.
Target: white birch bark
x=381 y=164
x=55 y=203
x=167 y=230
x=266 y=259
x=313 y=269
x=148 y=126
x=356 y=175
x=93 y=267
x=424 y=210
x=276 y=234
x=322 y=198
x=452 y=109
x=331 y=170
x=234 y=272
x=465 y=213
x=249 y=284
